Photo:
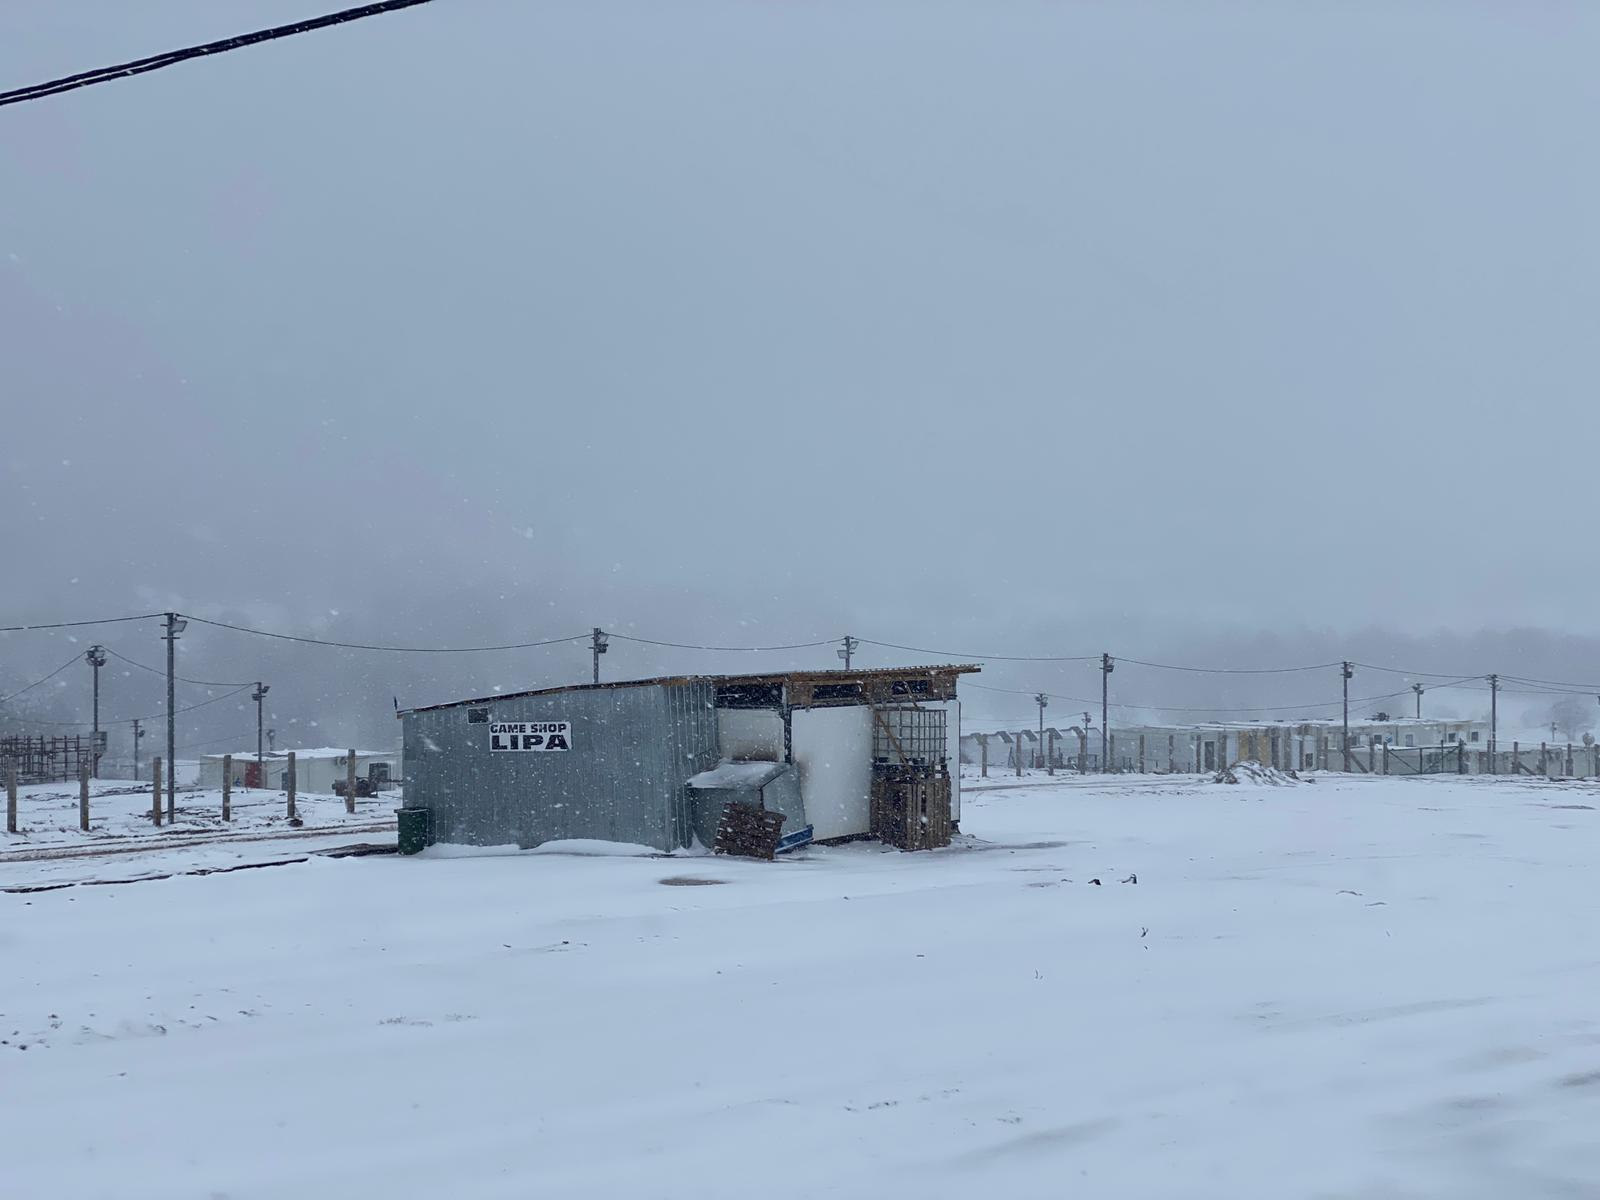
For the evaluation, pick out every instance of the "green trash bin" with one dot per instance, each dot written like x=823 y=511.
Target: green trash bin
x=416 y=829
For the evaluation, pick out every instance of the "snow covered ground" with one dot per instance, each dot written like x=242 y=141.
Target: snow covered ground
x=122 y=843
x=1358 y=988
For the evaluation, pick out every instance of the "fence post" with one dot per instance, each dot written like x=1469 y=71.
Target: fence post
x=1569 y=761
x=1172 y=754
x=983 y=755
x=289 y=781
x=227 y=787
x=155 y=791
x=1516 y=758
x=11 y=795
x=1386 y=758
x=1544 y=761
x=1372 y=751
x=83 y=797
x=1141 y=754
x=350 y=782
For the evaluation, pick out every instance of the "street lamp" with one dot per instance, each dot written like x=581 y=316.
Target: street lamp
x=846 y=651
x=258 y=696
x=1043 y=701
x=95 y=656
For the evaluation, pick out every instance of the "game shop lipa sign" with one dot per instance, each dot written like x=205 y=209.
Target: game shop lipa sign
x=530 y=735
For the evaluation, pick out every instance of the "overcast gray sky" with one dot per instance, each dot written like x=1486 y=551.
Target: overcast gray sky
x=1002 y=326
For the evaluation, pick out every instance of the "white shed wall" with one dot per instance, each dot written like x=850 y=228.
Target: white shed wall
x=833 y=752
x=753 y=733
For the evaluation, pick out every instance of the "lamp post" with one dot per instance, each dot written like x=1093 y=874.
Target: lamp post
x=1043 y=701
x=258 y=696
x=95 y=656
x=847 y=651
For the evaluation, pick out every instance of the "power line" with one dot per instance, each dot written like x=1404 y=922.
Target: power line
x=689 y=646
x=311 y=641
x=1578 y=687
x=155 y=62
x=956 y=656
x=140 y=717
x=179 y=678
x=1417 y=674
x=78 y=624
x=1231 y=670
x=37 y=682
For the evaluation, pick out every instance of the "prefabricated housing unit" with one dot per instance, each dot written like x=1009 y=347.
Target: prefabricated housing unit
x=315 y=770
x=613 y=761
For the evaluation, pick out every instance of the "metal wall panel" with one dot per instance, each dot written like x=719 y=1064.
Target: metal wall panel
x=633 y=748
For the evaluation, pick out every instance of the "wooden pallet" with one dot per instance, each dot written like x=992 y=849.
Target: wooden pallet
x=911 y=806
x=747 y=831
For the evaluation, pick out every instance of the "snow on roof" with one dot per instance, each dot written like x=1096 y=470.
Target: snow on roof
x=728 y=774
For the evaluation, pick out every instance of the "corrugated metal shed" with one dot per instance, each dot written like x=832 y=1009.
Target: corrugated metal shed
x=621 y=780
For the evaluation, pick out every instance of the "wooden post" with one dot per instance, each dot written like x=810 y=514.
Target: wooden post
x=1569 y=760
x=155 y=790
x=983 y=755
x=83 y=797
x=1172 y=754
x=290 y=781
x=1371 y=752
x=227 y=787
x=1141 y=754
x=350 y=782
x=1111 y=752
x=1017 y=754
x=1386 y=758
x=1544 y=761
x=1516 y=758
x=172 y=791
x=11 y=796
x=1050 y=752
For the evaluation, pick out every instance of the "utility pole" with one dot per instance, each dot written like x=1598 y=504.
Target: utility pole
x=1106 y=667
x=1043 y=702
x=138 y=736
x=1346 y=672
x=1494 y=719
x=1418 y=689
x=851 y=645
x=175 y=626
x=95 y=656
x=600 y=646
x=258 y=696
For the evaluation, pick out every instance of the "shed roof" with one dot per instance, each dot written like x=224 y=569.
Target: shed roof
x=731 y=773
x=787 y=678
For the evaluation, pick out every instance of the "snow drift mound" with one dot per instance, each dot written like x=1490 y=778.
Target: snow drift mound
x=1251 y=771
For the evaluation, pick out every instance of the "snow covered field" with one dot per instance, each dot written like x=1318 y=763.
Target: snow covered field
x=1360 y=988
x=49 y=847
